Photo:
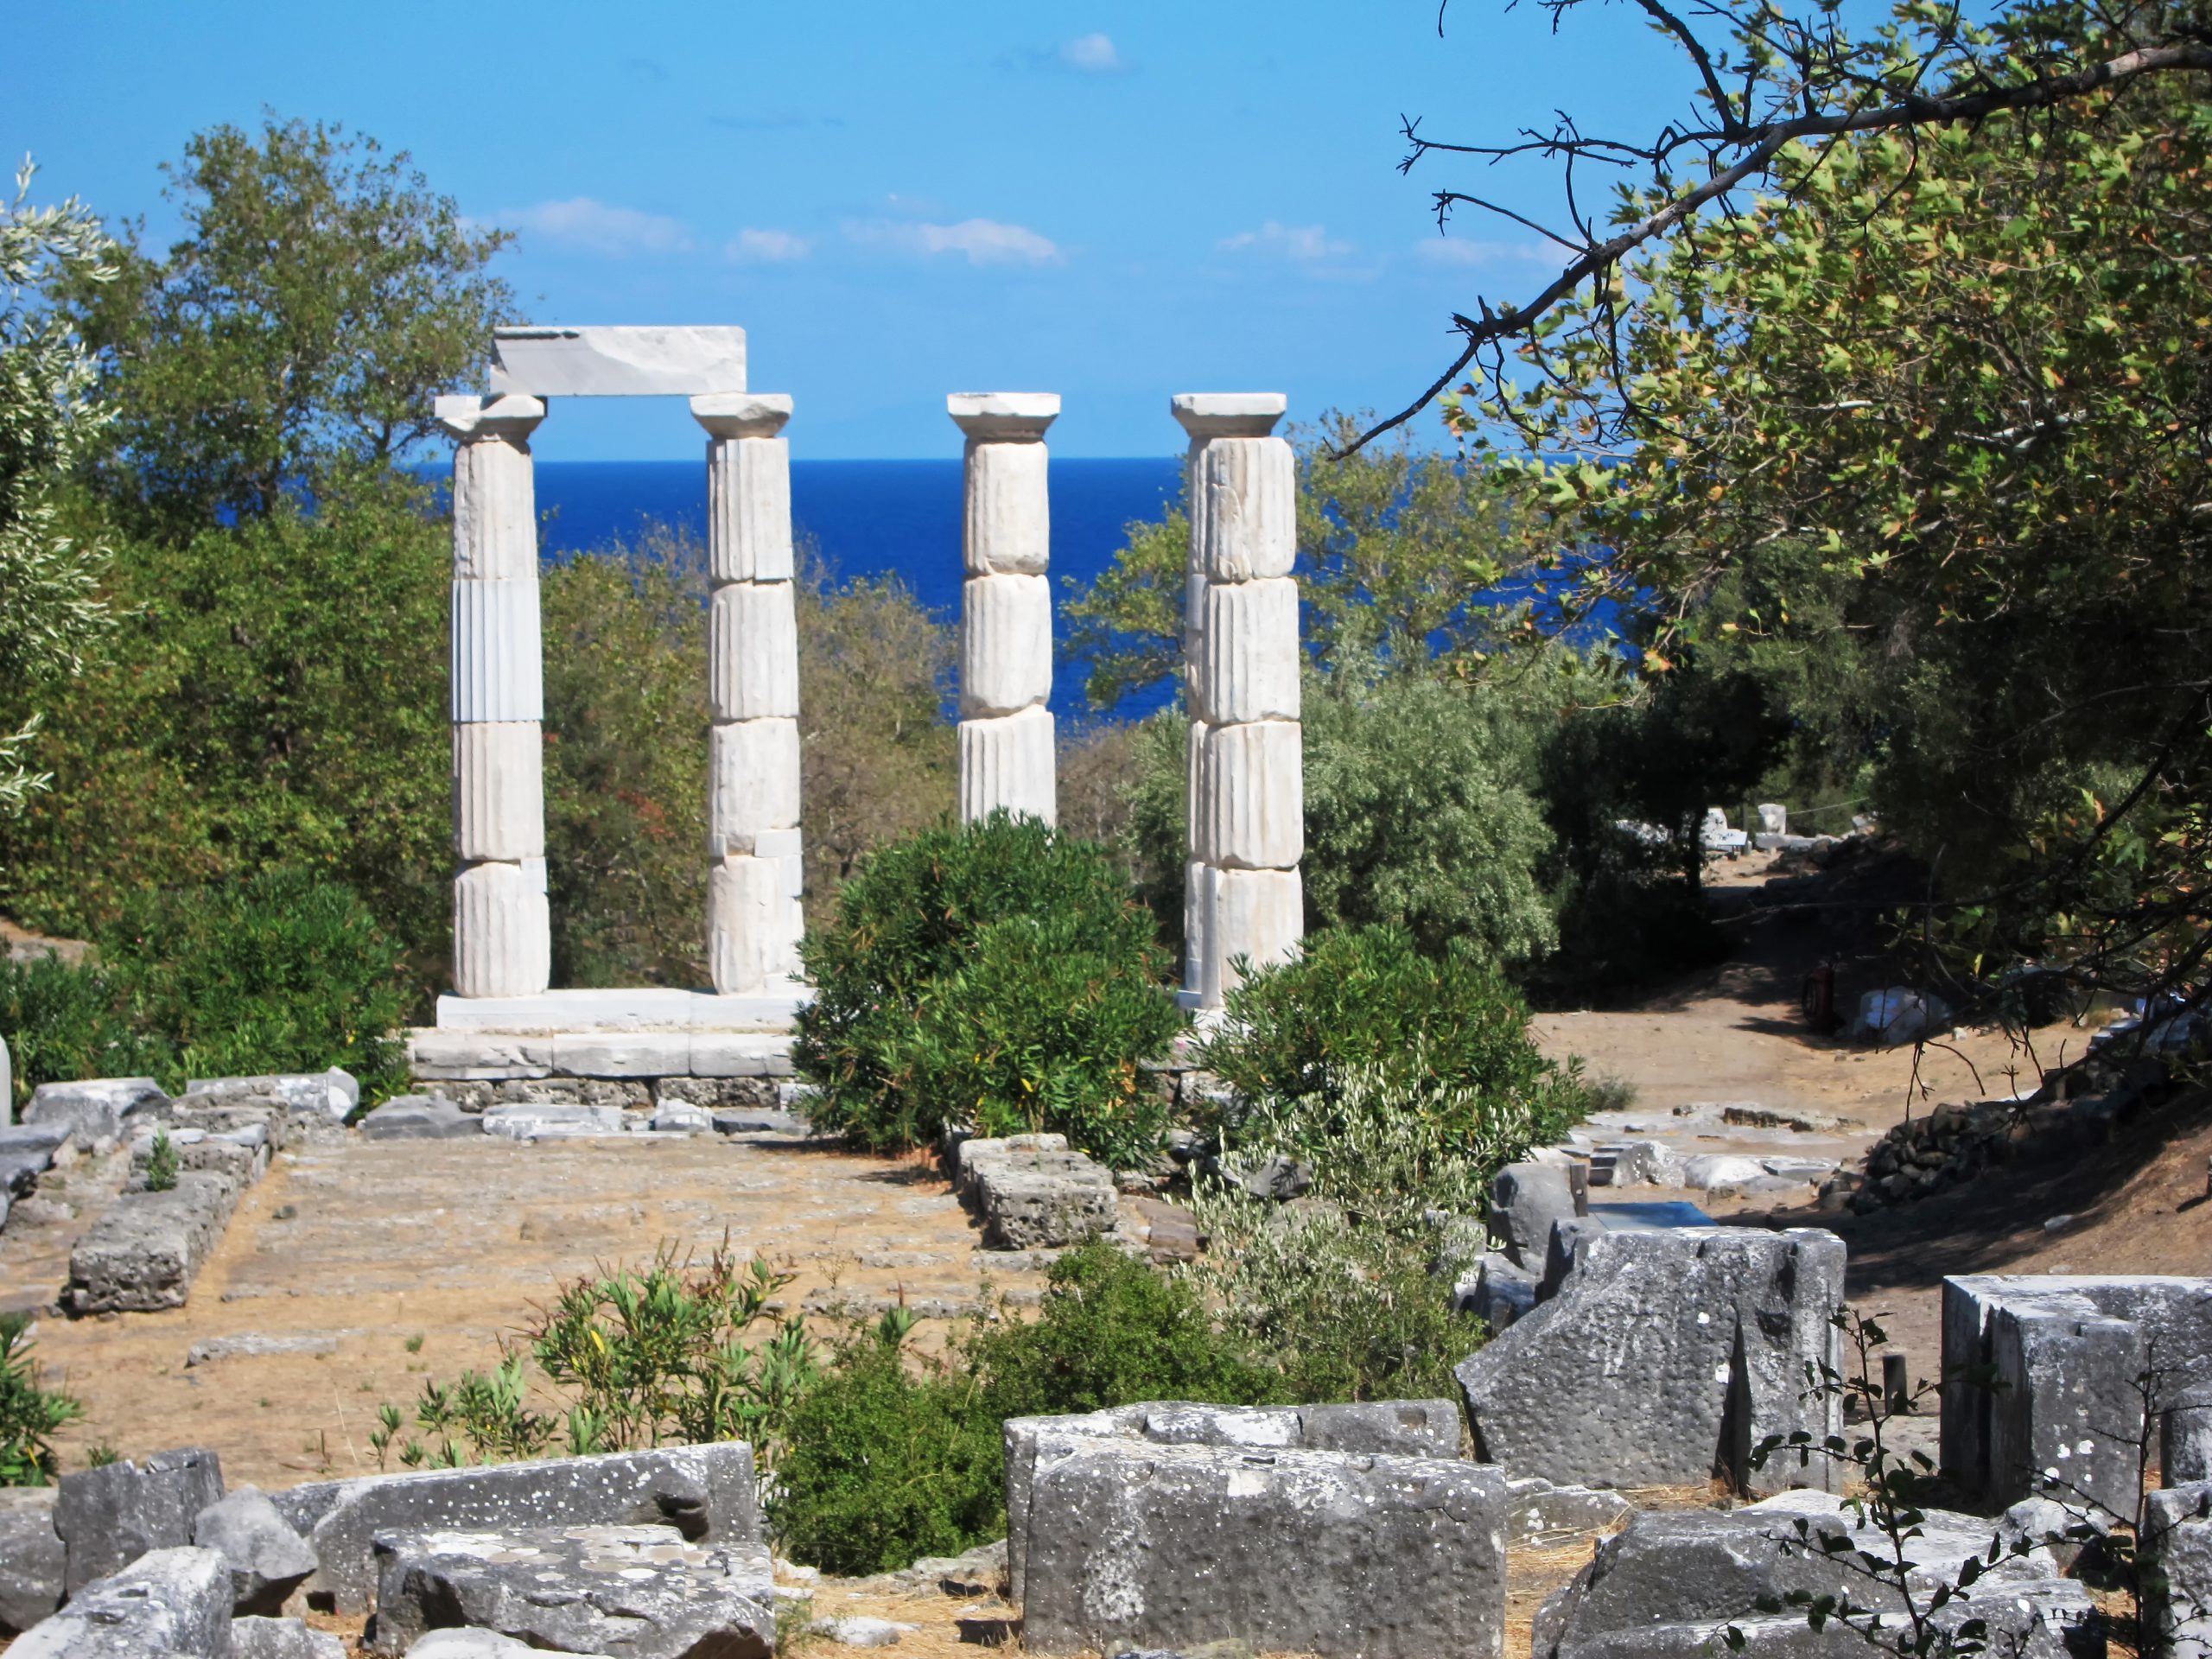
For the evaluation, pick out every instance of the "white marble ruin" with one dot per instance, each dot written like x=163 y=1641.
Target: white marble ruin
x=753 y=916
x=502 y=931
x=1246 y=783
x=502 y=956
x=1006 y=606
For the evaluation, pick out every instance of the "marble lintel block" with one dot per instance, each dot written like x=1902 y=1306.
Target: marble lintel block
x=748 y=925
x=1249 y=505
x=502 y=931
x=1249 y=662
x=494 y=510
x=753 y=652
x=1256 y=914
x=1250 y=802
x=498 y=790
x=1005 y=644
x=1009 y=528
x=749 y=509
x=496 y=674
x=753 y=783
x=1008 y=761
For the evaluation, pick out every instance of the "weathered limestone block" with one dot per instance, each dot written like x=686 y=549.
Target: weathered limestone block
x=92 y=1108
x=165 y=1601
x=1402 y=1429
x=1251 y=796
x=740 y=1054
x=457 y=1644
x=146 y=1249
x=420 y=1117
x=748 y=925
x=2185 y=1436
x=636 y=1590
x=498 y=790
x=1166 y=1547
x=502 y=931
x=753 y=783
x=108 y=1517
x=256 y=1637
x=551 y=361
x=1251 y=505
x=1667 y=1585
x=2041 y=1377
x=1665 y=1357
x=1247 y=667
x=1008 y=762
x=241 y=1157
x=496 y=667
x=333 y=1093
x=1525 y=1200
x=706 y=1492
x=967 y=1154
x=1041 y=1200
x=34 y=1561
x=2175 y=1563
x=268 y=1560
x=1006 y=644
x=1257 y=915
x=753 y=652
x=462 y=1056
x=1007 y=530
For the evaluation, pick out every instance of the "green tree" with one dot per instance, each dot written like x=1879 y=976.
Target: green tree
x=321 y=297
x=50 y=604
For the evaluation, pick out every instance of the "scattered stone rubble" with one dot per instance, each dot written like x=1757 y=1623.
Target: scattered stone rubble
x=1665 y=1356
x=1674 y=1581
x=2048 y=1381
x=640 y=1553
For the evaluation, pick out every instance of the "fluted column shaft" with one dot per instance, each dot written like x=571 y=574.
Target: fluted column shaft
x=502 y=931
x=1246 y=774
x=754 y=918
x=1006 y=738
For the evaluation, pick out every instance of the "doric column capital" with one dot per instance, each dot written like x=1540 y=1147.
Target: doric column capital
x=467 y=417
x=1206 y=415
x=1003 y=417
x=742 y=414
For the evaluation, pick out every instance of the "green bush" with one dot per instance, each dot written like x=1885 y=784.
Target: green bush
x=277 y=973
x=895 y=1455
x=280 y=972
x=1000 y=974
x=30 y=1415
x=1450 y=1025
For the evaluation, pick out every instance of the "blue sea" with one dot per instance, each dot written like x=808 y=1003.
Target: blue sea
x=869 y=517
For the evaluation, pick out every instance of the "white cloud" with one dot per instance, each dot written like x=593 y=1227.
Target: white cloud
x=755 y=247
x=1092 y=54
x=985 y=241
x=1440 y=250
x=602 y=227
x=1304 y=243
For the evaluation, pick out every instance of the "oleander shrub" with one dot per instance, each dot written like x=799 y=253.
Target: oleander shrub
x=65 y=1020
x=29 y=1414
x=1000 y=974
x=895 y=1454
x=1451 y=1027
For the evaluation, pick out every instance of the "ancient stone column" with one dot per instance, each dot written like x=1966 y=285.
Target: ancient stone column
x=1006 y=606
x=502 y=933
x=753 y=914
x=1246 y=777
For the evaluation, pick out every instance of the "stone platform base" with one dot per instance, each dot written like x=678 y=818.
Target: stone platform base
x=647 y=1033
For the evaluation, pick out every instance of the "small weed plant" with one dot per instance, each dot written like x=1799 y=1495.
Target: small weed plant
x=30 y=1414
x=1000 y=974
x=675 y=1353
x=162 y=1164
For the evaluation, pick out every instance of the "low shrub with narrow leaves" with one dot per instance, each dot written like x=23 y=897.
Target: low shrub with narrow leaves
x=1001 y=975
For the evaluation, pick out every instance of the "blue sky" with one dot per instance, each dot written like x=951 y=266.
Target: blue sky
x=1115 y=202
